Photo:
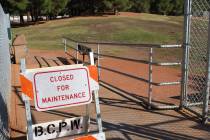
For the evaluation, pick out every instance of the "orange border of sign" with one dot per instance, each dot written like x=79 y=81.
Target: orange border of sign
x=86 y=138
x=93 y=72
x=26 y=86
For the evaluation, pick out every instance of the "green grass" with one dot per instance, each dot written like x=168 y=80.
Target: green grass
x=144 y=28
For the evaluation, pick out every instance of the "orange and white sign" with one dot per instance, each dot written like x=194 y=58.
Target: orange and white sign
x=61 y=86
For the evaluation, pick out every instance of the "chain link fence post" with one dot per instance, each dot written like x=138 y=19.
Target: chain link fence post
x=186 y=45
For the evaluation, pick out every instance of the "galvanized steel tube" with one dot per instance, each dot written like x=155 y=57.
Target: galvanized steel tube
x=150 y=79
x=186 y=45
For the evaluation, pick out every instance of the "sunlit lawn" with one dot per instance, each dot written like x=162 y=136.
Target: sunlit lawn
x=143 y=28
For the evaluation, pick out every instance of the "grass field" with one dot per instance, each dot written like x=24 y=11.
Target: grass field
x=141 y=28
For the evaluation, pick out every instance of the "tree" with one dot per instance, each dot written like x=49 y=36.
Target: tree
x=19 y=6
x=85 y=7
x=35 y=7
x=140 y=5
x=117 y=5
x=57 y=7
x=53 y=8
x=178 y=7
x=5 y=5
x=163 y=7
x=49 y=8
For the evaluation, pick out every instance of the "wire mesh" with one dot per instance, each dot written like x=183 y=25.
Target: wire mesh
x=5 y=68
x=198 y=54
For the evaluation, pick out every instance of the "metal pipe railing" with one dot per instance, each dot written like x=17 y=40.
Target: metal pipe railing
x=167 y=83
x=150 y=62
x=124 y=44
x=166 y=63
x=142 y=61
x=133 y=60
x=128 y=75
x=150 y=78
x=170 y=46
x=122 y=58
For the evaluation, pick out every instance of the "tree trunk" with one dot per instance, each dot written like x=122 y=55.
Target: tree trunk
x=115 y=11
x=32 y=15
x=28 y=17
x=36 y=16
x=21 y=19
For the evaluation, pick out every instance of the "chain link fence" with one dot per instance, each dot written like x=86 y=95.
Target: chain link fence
x=196 y=58
x=5 y=74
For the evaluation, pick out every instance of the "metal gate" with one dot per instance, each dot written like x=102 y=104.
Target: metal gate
x=195 y=89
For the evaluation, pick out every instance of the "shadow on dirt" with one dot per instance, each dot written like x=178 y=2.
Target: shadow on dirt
x=19 y=137
x=129 y=131
x=131 y=96
x=17 y=90
x=144 y=132
x=64 y=61
x=49 y=62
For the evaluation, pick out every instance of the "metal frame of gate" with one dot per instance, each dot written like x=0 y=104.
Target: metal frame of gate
x=149 y=99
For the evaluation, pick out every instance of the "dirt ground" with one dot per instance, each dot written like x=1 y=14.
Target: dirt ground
x=124 y=115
